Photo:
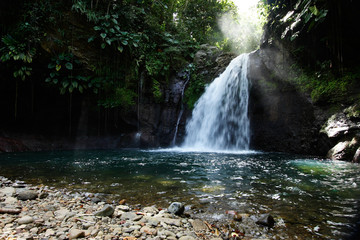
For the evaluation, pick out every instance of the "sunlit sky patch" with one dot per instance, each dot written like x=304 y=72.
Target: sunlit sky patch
x=244 y=5
x=243 y=30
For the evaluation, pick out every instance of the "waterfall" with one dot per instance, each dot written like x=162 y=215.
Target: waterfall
x=220 y=116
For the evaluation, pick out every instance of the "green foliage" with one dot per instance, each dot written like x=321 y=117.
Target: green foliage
x=134 y=41
x=198 y=18
x=156 y=90
x=194 y=90
x=110 y=32
x=18 y=53
x=122 y=96
x=63 y=74
x=156 y=64
x=290 y=21
x=325 y=87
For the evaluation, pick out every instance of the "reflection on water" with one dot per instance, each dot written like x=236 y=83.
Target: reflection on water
x=315 y=197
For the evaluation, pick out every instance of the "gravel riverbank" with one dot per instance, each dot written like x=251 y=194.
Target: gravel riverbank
x=39 y=212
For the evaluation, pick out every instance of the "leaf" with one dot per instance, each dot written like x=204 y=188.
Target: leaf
x=97 y=28
x=58 y=67
x=103 y=45
x=90 y=39
x=314 y=10
x=51 y=65
x=65 y=84
x=115 y=21
x=52 y=74
x=48 y=80
x=75 y=84
x=103 y=35
x=69 y=65
x=81 y=89
x=322 y=15
x=124 y=42
x=135 y=45
x=308 y=17
x=108 y=41
x=55 y=81
x=120 y=48
x=294 y=36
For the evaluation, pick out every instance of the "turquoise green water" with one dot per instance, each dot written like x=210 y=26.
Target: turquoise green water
x=315 y=198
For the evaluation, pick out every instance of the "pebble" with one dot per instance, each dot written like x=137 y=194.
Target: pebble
x=59 y=214
x=106 y=211
x=76 y=233
x=25 y=220
x=199 y=225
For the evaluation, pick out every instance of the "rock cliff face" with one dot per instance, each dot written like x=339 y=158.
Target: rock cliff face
x=284 y=119
x=160 y=122
x=163 y=125
x=281 y=118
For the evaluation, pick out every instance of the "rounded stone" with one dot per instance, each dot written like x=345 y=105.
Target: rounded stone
x=176 y=208
x=25 y=220
x=27 y=195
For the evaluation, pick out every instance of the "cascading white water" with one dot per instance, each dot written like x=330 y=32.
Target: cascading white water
x=220 y=118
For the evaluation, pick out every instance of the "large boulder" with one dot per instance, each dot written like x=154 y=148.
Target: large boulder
x=343 y=128
x=282 y=118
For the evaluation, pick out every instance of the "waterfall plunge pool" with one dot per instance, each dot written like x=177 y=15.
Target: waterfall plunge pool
x=318 y=199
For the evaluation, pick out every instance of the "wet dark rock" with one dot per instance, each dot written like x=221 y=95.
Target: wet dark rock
x=282 y=118
x=43 y=195
x=339 y=125
x=343 y=128
x=176 y=208
x=27 y=195
x=356 y=158
x=344 y=150
x=266 y=220
x=12 y=145
x=238 y=217
x=106 y=211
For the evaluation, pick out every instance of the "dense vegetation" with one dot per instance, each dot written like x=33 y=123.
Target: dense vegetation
x=107 y=50
x=58 y=58
x=319 y=36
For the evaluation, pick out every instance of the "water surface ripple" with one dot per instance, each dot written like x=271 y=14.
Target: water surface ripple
x=318 y=198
